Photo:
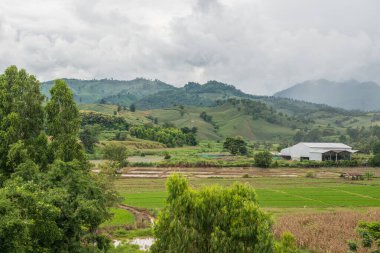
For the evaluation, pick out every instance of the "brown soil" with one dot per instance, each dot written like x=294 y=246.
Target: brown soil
x=200 y=172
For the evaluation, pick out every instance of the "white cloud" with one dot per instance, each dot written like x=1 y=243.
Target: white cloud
x=261 y=46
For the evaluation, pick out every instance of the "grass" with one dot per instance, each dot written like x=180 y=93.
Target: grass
x=121 y=217
x=130 y=234
x=272 y=192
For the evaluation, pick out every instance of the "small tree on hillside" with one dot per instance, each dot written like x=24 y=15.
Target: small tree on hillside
x=263 y=159
x=236 y=145
x=117 y=154
x=213 y=219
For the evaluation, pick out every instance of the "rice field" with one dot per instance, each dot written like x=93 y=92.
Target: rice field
x=271 y=192
x=120 y=217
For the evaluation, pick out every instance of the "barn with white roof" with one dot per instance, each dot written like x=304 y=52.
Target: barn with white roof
x=318 y=151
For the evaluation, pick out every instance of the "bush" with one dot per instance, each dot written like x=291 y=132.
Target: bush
x=167 y=156
x=311 y=174
x=263 y=159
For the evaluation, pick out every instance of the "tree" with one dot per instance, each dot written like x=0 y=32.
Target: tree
x=89 y=137
x=46 y=204
x=21 y=113
x=235 y=145
x=375 y=160
x=263 y=159
x=116 y=154
x=132 y=107
x=63 y=122
x=213 y=219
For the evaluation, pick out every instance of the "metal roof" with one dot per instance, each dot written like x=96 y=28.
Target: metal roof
x=326 y=145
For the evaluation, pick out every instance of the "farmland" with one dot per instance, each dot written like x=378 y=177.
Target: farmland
x=304 y=206
x=273 y=193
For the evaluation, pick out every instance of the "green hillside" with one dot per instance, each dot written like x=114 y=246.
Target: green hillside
x=110 y=91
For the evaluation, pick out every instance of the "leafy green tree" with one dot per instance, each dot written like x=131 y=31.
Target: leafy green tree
x=21 y=113
x=89 y=137
x=63 y=122
x=213 y=219
x=263 y=159
x=116 y=154
x=236 y=145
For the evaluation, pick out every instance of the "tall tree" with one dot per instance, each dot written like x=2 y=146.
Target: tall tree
x=63 y=122
x=21 y=113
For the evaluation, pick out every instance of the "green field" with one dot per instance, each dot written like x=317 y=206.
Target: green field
x=120 y=217
x=272 y=192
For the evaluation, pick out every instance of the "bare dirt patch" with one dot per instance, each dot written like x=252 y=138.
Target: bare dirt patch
x=233 y=172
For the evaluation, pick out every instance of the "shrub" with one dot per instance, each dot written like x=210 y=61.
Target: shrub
x=310 y=174
x=167 y=156
x=263 y=159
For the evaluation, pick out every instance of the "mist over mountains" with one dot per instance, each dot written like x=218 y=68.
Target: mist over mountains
x=350 y=95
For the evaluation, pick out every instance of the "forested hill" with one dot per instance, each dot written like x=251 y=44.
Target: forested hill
x=351 y=95
x=154 y=94
x=148 y=94
x=109 y=90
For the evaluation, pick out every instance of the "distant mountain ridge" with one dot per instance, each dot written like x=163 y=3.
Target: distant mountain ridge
x=350 y=95
x=148 y=94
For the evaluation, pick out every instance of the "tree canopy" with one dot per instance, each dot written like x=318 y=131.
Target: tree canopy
x=213 y=219
x=236 y=145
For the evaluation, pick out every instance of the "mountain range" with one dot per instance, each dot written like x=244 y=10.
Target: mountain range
x=350 y=95
x=153 y=94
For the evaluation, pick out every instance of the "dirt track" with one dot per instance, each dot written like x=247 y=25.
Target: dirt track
x=142 y=216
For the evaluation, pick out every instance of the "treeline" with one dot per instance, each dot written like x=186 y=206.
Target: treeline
x=104 y=120
x=260 y=110
x=168 y=135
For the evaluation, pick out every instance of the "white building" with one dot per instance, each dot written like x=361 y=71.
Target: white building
x=318 y=151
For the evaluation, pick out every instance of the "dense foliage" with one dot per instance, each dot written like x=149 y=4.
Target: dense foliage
x=89 y=136
x=104 y=120
x=213 y=219
x=170 y=136
x=49 y=201
x=369 y=233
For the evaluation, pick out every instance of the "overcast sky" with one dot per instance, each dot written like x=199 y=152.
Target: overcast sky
x=260 y=46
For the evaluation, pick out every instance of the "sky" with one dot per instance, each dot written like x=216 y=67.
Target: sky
x=260 y=46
